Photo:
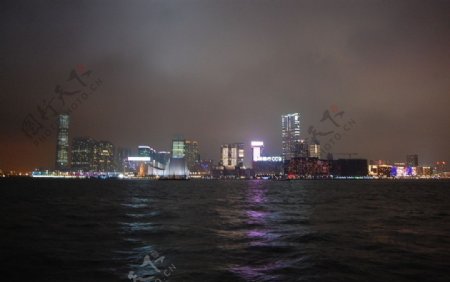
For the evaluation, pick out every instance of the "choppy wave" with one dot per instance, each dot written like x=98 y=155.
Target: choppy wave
x=84 y=230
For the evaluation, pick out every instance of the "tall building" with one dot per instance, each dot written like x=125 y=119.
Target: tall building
x=232 y=155
x=192 y=154
x=122 y=155
x=103 y=156
x=82 y=153
x=257 y=150
x=290 y=135
x=314 y=151
x=178 y=149
x=412 y=160
x=302 y=150
x=265 y=165
x=62 y=143
x=177 y=166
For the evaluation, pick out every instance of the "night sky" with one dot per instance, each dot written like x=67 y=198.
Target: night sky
x=225 y=71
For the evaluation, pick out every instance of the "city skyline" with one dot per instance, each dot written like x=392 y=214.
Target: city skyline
x=64 y=157
x=204 y=71
x=88 y=155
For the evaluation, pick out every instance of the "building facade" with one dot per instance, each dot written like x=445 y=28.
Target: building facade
x=265 y=165
x=232 y=155
x=145 y=151
x=122 y=155
x=314 y=151
x=290 y=135
x=192 y=153
x=178 y=150
x=62 y=143
x=103 y=156
x=82 y=153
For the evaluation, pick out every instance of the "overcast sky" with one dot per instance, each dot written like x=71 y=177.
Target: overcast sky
x=224 y=71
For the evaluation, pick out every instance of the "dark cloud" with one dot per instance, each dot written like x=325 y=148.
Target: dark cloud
x=224 y=71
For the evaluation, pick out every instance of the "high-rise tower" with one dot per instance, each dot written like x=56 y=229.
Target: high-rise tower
x=290 y=135
x=192 y=154
x=82 y=153
x=62 y=143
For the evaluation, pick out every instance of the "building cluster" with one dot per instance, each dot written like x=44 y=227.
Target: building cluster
x=410 y=168
x=300 y=159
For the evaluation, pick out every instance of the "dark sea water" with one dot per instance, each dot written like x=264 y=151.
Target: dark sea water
x=85 y=230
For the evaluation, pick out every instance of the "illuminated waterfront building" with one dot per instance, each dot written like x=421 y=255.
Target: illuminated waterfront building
x=314 y=151
x=202 y=169
x=307 y=168
x=258 y=153
x=381 y=170
x=257 y=150
x=177 y=166
x=103 y=156
x=441 y=167
x=290 y=135
x=192 y=153
x=178 y=149
x=62 y=143
x=232 y=155
x=122 y=155
x=265 y=165
x=148 y=162
x=145 y=151
x=303 y=149
x=398 y=170
x=163 y=157
x=82 y=153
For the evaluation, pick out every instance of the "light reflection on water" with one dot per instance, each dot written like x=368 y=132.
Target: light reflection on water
x=261 y=234
x=227 y=230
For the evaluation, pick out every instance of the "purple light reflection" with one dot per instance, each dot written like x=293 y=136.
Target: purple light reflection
x=260 y=272
x=257 y=233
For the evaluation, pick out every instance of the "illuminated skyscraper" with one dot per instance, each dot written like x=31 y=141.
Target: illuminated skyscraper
x=232 y=155
x=314 y=151
x=103 y=156
x=82 y=152
x=178 y=149
x=62 y=143
x=290 y=135
x=145 y=151
x=177 y=166
x=257 y=150
x=192 y=154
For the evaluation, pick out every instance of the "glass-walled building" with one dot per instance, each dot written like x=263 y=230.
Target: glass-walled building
x=290 y=135
x=62 y=143
x=192 y=153
x=178 y=150
x=82 y=153
x=103 y=156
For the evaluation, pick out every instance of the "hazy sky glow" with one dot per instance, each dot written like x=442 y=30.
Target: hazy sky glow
x=224 y=71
